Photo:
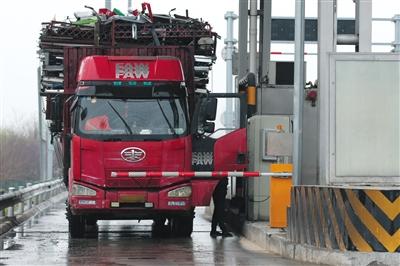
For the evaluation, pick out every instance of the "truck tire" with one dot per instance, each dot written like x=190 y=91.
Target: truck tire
x=182 y=226
x=91 y=228
x=158 y=227
x=76 y=224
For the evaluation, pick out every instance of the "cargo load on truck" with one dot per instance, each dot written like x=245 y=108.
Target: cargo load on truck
x=114 y=31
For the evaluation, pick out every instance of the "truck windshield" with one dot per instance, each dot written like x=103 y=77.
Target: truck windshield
x=109 y=119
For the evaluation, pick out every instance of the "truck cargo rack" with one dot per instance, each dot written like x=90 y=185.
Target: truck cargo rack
x=124 y=33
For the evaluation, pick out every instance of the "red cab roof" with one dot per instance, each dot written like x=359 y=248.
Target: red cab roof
x=152 y=68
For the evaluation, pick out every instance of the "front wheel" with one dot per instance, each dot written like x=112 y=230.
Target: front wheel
x=78 y=225
x=159 y=228
x=182 y=226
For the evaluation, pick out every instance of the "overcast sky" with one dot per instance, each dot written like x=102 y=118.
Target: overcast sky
x=21 y=23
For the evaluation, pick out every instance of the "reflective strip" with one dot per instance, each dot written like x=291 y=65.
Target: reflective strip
x=136 y=174
x=281 y=174
x=251 y=95
x=236 y=174
x=170 y=174
x=203 y=174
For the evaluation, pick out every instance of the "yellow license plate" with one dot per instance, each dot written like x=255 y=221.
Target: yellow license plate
x=131 y=198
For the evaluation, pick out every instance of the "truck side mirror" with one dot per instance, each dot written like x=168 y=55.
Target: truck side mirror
x=56 y=114
x=209 y=127
x=211 y=109
x=205 y=113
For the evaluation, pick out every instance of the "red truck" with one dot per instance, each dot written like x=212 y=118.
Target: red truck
x=135 y=138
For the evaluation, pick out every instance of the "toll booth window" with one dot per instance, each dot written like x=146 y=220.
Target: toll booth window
x=132 y=116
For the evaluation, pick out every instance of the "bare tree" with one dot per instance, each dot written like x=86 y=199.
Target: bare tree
x=19 y=153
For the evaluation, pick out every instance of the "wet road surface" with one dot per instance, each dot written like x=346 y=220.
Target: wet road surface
x=44 y=240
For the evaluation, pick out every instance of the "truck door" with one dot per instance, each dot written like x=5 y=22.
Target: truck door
x=219 y=132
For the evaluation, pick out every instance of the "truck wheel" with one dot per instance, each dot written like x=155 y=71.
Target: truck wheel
x=182 y=226
x=92 y=230
x=159 y=228
x=76 y=224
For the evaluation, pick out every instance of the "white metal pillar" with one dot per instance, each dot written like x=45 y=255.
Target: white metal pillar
x=265 y=42
x=364 y=24
x=42 y=134
x=326 y=45
x=243 y=64
x=49 y=156
x=108 y=4
x=229 y=48
x=46 y=148
x=298 y=91
x=253 y=37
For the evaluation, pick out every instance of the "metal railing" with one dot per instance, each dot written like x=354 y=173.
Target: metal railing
x=16 y=202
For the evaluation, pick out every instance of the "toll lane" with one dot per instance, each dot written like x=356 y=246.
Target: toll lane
x=44 y=240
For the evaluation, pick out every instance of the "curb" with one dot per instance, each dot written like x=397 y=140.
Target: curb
x=274 y=240
x=9 y=223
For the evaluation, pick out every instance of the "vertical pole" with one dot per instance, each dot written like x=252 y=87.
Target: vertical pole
x=29 y=201
x=21 y=204
x=260 y=42
x=229 y=47
x=396 y=43
x=298 y=91
x=264 y=49
x=10 y=210
x=129 y=4
x=253 y=37
x=108 y=4
x=243 y=30
x=265 y=46
x=357 y=24
x=42 y=132
x=326 y=45
x=364 y=19
x=49 y=159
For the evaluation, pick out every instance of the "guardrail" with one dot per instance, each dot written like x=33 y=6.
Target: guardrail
x=17 y=202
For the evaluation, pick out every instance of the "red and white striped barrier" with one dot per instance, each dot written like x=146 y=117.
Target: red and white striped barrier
x=199 y=174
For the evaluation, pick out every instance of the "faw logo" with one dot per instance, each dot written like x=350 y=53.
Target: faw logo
x=202 y=158
x=127 y=70
x=133 y=154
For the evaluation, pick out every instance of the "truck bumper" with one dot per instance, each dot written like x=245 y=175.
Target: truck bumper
x=129 y=203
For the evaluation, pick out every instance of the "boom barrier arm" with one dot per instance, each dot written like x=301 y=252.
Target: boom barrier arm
x=200 y=174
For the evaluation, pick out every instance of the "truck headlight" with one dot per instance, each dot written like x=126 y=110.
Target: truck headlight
x=180 y=192
x=79 y=190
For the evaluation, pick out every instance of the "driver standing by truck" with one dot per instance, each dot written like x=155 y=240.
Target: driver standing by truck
x=219 y=209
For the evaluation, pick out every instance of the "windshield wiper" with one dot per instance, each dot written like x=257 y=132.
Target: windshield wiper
x=166 y=119
x=120 y=117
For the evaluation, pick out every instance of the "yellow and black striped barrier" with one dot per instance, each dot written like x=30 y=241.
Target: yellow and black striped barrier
x=356 y=219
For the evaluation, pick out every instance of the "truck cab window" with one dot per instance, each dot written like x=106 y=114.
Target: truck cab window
x=150 y=118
